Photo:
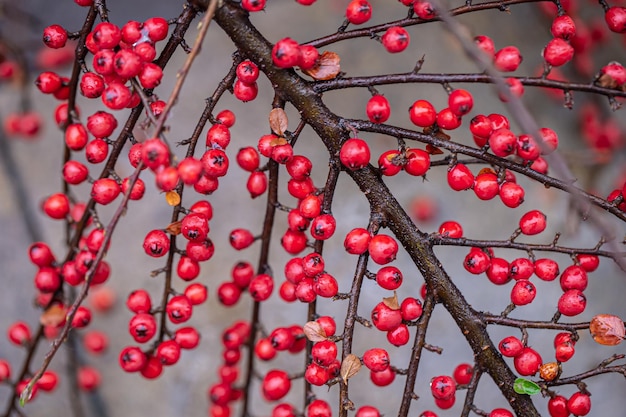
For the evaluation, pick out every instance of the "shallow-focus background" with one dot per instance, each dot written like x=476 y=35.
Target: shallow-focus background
x=182 y=389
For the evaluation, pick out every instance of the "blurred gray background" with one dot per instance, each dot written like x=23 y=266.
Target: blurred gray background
x=182 y=389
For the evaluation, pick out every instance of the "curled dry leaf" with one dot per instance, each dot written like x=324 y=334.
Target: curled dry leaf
x=433 y=150
x=392 y=302
x=487 y=170
x=54 y=316
x=278 y=121
x=314 y=331
x=326 y=68
x=349 y=367
x=174 y=228
x=607 y=329
x=172 y=198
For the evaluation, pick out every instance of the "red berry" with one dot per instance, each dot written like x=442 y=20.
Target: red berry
x=485 y=44
x=57 y=206
x=546 y=269
x=588 y=262
x=245 y=92
x=460 y=102
x=563 y=27
x=460 y=177
x=142 y=327
x=377 y=109
x=521 y=268
x=355 y=154
x=157 y=28
x=446 y=119
x=384 y=318
x=498 y=271
x=324 y=352
x=276 y=384
x=442 y=387
x=286 y=53
x=511 y=194
x=615 y=18
x=418 y=162
x=179 y=309
x=527 y=362
x=502 y=142
x=477 y=261
x=54 y=36
x=319 y=408
x=558 y=52
x=579 y=403
x=395 y=39
x=383 y=378
x=88 y=378
x=533 y=222
x=19 y=333
x=463 y=373
x=523 y=292
x=358 y=11
x=572 y=303
x=500 y=412
x=510 y=346
x=422 y=113
x=376 y=359
x=257 y=183
x=486 y=185
x=507 y=59
x=383 y=249
x=557 y=406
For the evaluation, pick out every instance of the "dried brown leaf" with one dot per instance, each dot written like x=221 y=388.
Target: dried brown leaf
x=174 y=228
x=278 y=121
x=172 y=198
x=349 y=367
x=314 y=331
x=54 y=316
x=487 y=170
x=433 y=150
x=607 y=329
x=392 y=302
x=326 y=68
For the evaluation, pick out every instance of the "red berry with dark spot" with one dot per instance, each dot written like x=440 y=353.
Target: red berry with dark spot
x=395 y=39
x=358 y=11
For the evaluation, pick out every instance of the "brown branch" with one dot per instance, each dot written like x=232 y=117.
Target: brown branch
x=412 y=77
x=412 y=21
x=331 y=130
x=416 y=354
x=528 y=324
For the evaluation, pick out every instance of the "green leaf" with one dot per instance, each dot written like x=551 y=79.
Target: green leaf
x=524 y=386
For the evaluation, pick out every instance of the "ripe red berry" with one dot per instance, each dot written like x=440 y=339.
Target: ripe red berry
x=241 y=238
x=384 y=318
x=510 y=346
x=521 y=268
x=563 y=27
x=463 y=373
x=19 y=333
x=168 y=352
x=319 y=408
x=54 y=36
x=157 y=28
x=546 y=269
x=615 y=18
x=446 y=119
x=500 y=412
x=527 y=362
x=579 y=404
x=245 y=92
x=105 y=190
x=247 y=71
x=323 y=227
x=355 y=154
x=588 y=262
x=442 y=387
x=179 y=309
x=572 y=303
x=261 y=287
x=485 y=44
x=286 y=53
x=502 y=142
x=424 y=9
x=383 y=378
x=498 y=271
x=558 y=52
x=57 y=206
x=486 y=185
x=389 y=277
x=523 y=292
x=477 y=261
x=557 y=406
x=460 y=102
x=460 y=177
x=533 y=222
x=383 y=249
x=88 y=378
x=507 y=59
x=276 y=384
x=132 y=359
x=257 y=183
x=389 y=162
x=367 y=411
x=376 y=359
x=358 y=11
x=142 y=327
x=511 y=194
x=76 y=137
x=422 y=113
x=228 y=293
x=395 y=39
x=324 y=352
x=377 y=109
